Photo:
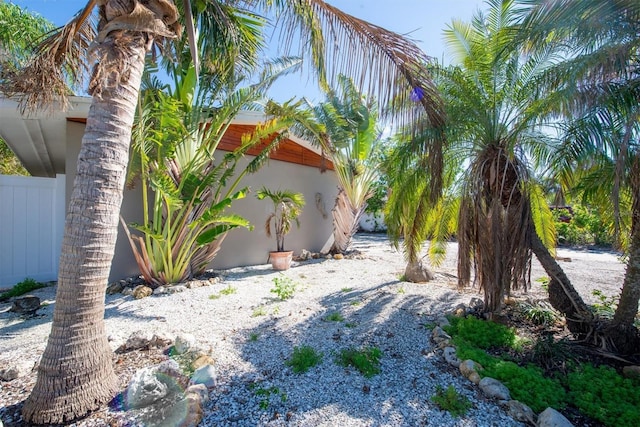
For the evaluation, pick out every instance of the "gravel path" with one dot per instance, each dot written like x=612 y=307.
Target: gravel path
x=252 y=333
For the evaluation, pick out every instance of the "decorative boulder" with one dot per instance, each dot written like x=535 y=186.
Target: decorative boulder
x=451 y=357
x=205 y=375
x=141 y=291
x=184 y=343
x=468 y=367
x=26 y=305
x=521 y=412
x=552 y=418
x=493 y=388
x=418 y=273
x=145 y=388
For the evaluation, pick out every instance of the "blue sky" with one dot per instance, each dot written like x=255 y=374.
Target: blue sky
x=422 y=20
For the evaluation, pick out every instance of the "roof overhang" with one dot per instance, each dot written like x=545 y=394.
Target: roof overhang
x=39 y=138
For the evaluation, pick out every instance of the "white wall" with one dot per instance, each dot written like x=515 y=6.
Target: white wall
x=31 y=225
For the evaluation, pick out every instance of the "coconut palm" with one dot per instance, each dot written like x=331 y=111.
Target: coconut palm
x=494 y=108
x=601 y=82
x=76 y=374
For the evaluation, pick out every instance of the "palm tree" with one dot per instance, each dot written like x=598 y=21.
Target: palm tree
x=600 y=81
x=494 y=108
x=76 y=374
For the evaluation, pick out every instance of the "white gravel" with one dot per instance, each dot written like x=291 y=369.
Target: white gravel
x=250 y=350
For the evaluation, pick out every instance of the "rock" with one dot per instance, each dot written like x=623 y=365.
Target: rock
x=439 y=335
x=141 y=291
x=184 y=343
x=442 y=321
x=200 y=390
x=205 y=375
x=202 y=360
x=632 y=372
x=552 y=418
x=160 y=290
x=460 y=310
x=194 y=412
x=476 y=305
x=9 y=374
x=26 y=305
x=116 y=287
x=338 y=256
x=145 y=388
x=475 y=378
x=138 y=340
x=451 y=357
x=468 y=367
x=194 y=284
x=214 y=280
x=174 y=289
x=418 y=273
x=127 y=291
x=493 y=388
x=521 y=412
x=160 y=339
x=305 y=255
x=328 y=256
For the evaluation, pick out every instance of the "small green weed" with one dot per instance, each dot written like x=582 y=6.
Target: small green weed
x=259 y=311
x=21 y=288
x=265 y=395
x=229 y=290
x=346 y=289
x=334 y=317
x=544 y=282
x=539 y=313
x=275 y=310
x=366 y=360
x=401 y=290
x=606 y=306
x=355 y=303
x=214 y=296
x=430 y=325
x=403 y=278
x=350 y=325
x=253 y=337
x=451 y=401
x=283 y=287
x=303 y=359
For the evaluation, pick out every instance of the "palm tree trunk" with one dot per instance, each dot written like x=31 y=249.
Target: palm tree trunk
x=76 y=374
x=562 y=295
x=345 y=222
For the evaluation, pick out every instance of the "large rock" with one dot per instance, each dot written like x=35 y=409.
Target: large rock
x=145 y=388
x=205 y=375
x=494 y=389
x=26 y=305
x=552 y=418
x=184 y=343
x=521 y=412
x=141 y=291
x=418 y=273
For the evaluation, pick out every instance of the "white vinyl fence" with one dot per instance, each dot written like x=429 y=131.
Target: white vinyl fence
x=31 y=225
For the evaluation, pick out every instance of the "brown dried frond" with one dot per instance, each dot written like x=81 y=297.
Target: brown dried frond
x=58 y=65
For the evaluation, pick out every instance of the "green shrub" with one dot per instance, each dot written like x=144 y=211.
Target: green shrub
x=528 y=385
x=366 y=361
x=334 y=317
x=283 y=287
x=303 y=359
x=480 y=333
x=604 y=395
x=451 y=401
x=582 y=227
x=26 y=286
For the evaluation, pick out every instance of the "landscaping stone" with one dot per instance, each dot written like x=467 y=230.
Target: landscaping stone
x=205 y=375
x=468 y=367
x=443 y=322
x=174 y=289
x=521 y=412
x=338 y=256
x=196 y=284
x=138 y=340
x=200 y=390
x=451 y=357
x=116 y=287
x=16 y=370
x=141 y=291
x=145 y=388
x=202 y=360
x=475 y=378
x=552 y=418
x=160 y=290
x=418 y=273
x=438 y=335
x=184 y=343
x=494 y=389
x=26 y=305
x=632 y=372
x=127 y=291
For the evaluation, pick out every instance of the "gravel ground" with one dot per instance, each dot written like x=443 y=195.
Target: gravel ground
x=252 y=333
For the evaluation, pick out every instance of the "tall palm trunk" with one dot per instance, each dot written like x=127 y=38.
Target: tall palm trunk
x=76 y=375
x=346 y=218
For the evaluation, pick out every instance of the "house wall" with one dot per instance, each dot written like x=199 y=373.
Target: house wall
x=31 y=225
x=241 y=247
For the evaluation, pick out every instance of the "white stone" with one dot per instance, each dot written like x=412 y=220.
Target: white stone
x=160 y=290
x=184 y=343
x=199 y=390
x=451 y=357
x=205 y=375
x=145 y=388
x=552 y=418
x=493 y=388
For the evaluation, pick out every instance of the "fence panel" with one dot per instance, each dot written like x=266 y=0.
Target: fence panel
x=31 y=225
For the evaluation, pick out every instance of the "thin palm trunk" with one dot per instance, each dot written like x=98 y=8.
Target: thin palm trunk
x=76 y=374
x=345 y=222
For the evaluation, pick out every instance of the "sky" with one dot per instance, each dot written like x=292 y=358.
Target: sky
x=421 y=20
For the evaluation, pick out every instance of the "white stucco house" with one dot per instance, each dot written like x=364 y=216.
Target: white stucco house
x=47 y=144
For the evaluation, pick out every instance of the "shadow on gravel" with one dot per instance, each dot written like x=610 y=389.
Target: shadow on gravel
x=383 y=317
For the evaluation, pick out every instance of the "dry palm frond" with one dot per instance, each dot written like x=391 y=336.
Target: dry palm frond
x=59 y=64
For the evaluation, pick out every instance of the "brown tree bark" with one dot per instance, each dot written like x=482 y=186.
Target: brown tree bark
x=76 y=374
x=346 y=219
x=562 y=295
